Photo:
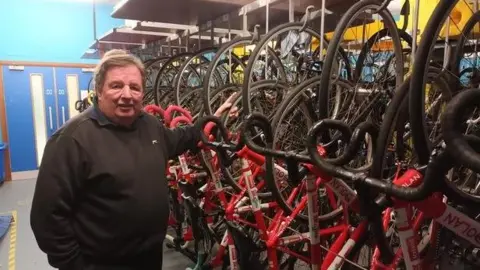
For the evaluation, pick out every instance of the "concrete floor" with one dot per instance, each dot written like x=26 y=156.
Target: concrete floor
x=17 y=195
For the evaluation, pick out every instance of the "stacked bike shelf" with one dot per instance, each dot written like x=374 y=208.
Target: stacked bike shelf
x=354 y=149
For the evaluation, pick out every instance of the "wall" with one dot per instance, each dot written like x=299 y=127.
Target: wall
x=51 y=30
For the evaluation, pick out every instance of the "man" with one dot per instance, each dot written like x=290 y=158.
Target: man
x=100 y=201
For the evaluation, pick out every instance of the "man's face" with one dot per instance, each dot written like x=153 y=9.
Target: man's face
x=121 y=97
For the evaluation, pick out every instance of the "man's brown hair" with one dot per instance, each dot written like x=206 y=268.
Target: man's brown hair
x=115 y=58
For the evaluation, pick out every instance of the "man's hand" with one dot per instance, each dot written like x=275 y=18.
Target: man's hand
x=227 y=106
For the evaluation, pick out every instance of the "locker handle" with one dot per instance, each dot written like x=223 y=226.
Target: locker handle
x=50 y=116
x=63 y=114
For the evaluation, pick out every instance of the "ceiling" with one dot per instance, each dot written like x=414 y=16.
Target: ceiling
x=188 y=12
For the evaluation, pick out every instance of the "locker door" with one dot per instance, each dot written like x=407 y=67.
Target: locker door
x=65 y=82
x=69 y=83
x=30 y=111
x=73 y=94
x=86 y=83
x=86 y=76
x=50 y=102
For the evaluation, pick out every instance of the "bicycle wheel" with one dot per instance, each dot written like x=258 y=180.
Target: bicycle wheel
x=152 y=68
x=222 y=53
x=166 y=75
x=278 y=31
x=192 y=73
x=382 y=34
x=295 y=100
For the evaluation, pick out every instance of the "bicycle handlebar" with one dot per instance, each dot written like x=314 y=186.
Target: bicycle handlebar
x=179 y=120
x=356 y=142
x=260 y=121
x=204 y=123
x=167 y=114
x=173 y=108
x=418 y=193
x=456 y=111
x=154 y=109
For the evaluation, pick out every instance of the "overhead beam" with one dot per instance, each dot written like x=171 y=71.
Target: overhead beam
x=147 y=33
x=160 y=25
x=255 y=5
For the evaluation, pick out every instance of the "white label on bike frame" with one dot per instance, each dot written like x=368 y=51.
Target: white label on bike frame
x=280 y=175
x=338 y=262
x=183 y=164
x=346 y=193
x=461 y=224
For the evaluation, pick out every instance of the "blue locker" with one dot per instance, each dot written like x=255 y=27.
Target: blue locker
x=28 y=130
x=23 y=138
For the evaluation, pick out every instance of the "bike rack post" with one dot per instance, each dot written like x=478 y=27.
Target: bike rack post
x=188 y=41
x=245 y=20
x=179 y=44
x=416 y=12
x=169 y=46
x=199 y=39
x=446 y=51
x=475 y=56
x=267 y=16
x=291 y=17
x=230 y=51
x=322 y=29
x=212 y=34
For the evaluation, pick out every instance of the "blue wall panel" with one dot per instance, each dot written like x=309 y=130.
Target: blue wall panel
x=51 y=30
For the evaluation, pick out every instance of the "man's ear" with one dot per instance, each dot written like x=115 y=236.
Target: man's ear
x=98 y=94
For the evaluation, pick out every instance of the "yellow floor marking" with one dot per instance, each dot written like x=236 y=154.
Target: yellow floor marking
x=13 y=242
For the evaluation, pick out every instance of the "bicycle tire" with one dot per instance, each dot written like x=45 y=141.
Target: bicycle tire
x=398 y=109
x=416 y=103
x=334 y=44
